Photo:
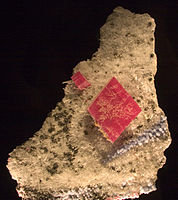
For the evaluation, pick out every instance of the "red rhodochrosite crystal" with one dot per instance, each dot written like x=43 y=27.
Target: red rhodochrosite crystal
x=80 y=81
x=113 y=109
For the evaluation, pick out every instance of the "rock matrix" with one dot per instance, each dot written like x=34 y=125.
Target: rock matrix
x=69 y=158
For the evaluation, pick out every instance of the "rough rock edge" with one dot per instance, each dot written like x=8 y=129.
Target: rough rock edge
x=101 y=59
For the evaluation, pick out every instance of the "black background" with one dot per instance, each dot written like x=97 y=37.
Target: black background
x=40 y=44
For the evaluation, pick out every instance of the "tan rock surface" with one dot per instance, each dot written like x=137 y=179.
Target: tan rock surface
x=68 y=158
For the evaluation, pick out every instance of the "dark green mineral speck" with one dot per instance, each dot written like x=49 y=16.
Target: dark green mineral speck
x=50 y=130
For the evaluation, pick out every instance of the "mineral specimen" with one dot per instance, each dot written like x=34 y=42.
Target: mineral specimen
x=68 y=158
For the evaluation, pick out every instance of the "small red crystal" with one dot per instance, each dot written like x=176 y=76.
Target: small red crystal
x=113 y=109
x=80 y=81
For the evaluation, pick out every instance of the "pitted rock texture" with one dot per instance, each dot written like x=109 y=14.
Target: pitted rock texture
x=68 y=158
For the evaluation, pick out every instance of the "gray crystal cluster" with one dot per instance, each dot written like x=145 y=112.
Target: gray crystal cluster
x=69 y=158
x=156 y=132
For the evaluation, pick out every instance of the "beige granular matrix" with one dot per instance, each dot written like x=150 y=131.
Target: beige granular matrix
x=69 y=158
